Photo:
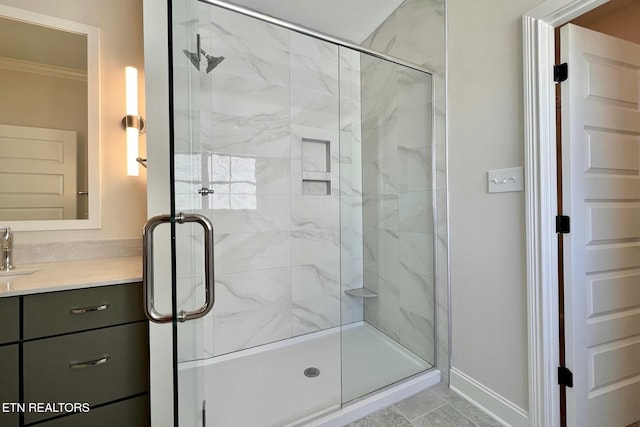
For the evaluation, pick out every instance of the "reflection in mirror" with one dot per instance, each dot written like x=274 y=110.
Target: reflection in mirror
x=48 y=122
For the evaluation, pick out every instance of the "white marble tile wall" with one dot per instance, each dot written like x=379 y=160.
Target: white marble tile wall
x=415 y=32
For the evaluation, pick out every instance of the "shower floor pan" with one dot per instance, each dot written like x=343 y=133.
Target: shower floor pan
x=267 y=386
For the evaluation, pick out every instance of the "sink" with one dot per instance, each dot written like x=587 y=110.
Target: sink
x=6 y=277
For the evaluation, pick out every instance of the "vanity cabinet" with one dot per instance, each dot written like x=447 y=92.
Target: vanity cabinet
x=87 y=346
x=9 y=359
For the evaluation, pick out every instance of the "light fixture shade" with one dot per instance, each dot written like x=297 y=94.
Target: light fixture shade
x=131 y=75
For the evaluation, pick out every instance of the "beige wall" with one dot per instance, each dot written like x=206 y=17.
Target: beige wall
x=123 y=197
x=488 y=288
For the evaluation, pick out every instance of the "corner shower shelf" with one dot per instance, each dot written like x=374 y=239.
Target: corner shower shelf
x=361 y=293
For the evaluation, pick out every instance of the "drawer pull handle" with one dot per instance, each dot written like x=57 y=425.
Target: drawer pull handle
x=90 y=309
x=79 y=365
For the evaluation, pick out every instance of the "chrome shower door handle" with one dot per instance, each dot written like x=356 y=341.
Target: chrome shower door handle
x=147 y=268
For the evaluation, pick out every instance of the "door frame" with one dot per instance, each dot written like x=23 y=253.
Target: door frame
x=538 y=27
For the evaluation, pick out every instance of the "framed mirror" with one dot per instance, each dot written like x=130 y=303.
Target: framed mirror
x=49 y=122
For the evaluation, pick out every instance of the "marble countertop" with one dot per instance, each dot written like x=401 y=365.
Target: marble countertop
x=67 y=275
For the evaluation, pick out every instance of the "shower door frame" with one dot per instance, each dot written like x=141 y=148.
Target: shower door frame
x=157 y=25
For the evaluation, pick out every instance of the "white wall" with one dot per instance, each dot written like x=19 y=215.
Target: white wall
x=123 y=197
x=488 y=289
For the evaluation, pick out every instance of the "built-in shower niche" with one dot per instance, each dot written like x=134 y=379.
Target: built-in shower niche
x=316 y=167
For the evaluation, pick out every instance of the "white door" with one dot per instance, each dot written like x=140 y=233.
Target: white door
x=601 y=194
x=37 y=173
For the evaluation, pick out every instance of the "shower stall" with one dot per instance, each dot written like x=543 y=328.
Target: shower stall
x=311 y=160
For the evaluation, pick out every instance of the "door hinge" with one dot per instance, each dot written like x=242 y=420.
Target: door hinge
x=565 y=376
x=560 y=72
x=563 y=224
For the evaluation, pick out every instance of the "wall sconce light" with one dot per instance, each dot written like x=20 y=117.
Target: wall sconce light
x=132 y=123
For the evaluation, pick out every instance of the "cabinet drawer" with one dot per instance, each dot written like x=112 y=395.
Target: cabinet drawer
x=95 y=367
x=10 y=320
x=9 y=383
x=71 y=311
x=127 y=413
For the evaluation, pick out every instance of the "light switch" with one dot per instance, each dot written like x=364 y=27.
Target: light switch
x=505 y=180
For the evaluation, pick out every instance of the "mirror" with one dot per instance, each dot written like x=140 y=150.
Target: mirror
x=49 y=137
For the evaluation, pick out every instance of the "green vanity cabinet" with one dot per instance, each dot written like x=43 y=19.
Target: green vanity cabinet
x=9 y=360
x=9 y=384
x=9 y=320
x=86 y=347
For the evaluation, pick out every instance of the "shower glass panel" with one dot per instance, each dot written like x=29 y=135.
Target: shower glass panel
x=386 y=223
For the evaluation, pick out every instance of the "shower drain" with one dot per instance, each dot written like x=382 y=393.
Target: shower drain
x=311 y=372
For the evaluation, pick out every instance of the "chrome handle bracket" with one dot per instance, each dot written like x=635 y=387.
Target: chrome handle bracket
x=147 y=267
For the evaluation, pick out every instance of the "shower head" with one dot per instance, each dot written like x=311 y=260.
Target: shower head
x=194 y=57
x=212 y=61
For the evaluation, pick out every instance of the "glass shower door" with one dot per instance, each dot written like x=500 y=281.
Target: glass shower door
x=251 y=154
x=178 y=244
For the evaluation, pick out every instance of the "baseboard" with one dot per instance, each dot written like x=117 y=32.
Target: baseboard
x=488 y=400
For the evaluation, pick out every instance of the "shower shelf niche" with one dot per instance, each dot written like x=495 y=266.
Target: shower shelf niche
x=316 y=166
x=361 y=293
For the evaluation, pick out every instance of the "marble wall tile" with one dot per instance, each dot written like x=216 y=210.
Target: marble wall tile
x=384 y=311
x=233 y=24
x=352 y=309
x=245 y=329
x=242 y=97
x=313 y=48
x=417 y=293
x=315 y=314
x=315 y=213
x=313 y=246
x=314 y=75
x=381 y=212
x=418 y=335
x=315 y=280
x=415 y=16
x=264 y=134
x=349 y=58
x=415 y=90
x=314 y=109
x=246 y=58
x=383 y=38
x=415 y=127
x=416 y=212
x=351 y=272
x=416 y=252
x=248 y=175
x=415 y=172
x=252 y=251
x=231 y=213
x=252 y=290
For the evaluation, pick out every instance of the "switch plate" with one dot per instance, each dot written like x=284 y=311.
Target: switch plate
x=505 y=180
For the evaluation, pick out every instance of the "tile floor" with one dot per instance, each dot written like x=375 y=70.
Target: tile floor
x=437 y=406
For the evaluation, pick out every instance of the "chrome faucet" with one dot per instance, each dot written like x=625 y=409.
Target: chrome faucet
x=6 y=241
